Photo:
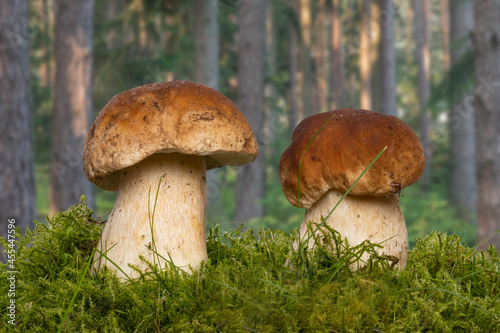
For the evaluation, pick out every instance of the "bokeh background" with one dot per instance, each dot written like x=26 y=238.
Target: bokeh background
x=432 y=63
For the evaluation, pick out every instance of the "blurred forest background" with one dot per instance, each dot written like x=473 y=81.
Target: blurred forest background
x=433 y=63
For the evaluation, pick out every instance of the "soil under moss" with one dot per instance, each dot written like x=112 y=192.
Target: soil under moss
x=245 y=287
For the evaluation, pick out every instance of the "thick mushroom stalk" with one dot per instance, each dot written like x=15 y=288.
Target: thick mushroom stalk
x=173 y=132
x=387 y=224
x=159 y=212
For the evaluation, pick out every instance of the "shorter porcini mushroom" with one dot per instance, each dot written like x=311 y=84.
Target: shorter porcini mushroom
x=337 y=156
x=154 y=144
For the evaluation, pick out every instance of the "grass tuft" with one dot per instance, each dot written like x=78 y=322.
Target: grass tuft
x=245 y=287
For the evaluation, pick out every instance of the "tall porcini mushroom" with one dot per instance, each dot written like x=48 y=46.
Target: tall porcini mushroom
x=154 y=144
x=337 y=156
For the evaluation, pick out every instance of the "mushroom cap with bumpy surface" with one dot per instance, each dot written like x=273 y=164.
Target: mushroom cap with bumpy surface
x=342 y=150
x=177 y=116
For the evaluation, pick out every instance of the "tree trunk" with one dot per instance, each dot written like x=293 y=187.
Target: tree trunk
x=141 y=32
x=206 y=43
x=351 y=77
x=206 y=71
x=250 y=185
x=376 y=55
x=271 y=51
x=113 y=37
x=487 y=120
x=388 y=58
x=17 y=197
x=295 y=114
x=43 y=20
x=72 y=103
x=463 y=189
x=271 y=93
x=337 y=87
x=422 y=36
x=444 y=13
x=409 y=34
x=305 y=73
x=365 y=55
x=320 y=59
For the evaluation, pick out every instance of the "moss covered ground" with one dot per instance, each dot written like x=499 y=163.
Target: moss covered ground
x=245 y=287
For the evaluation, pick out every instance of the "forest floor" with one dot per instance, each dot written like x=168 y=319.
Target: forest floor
x=447 y=286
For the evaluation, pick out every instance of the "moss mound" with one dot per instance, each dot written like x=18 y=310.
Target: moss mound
x=245 y=287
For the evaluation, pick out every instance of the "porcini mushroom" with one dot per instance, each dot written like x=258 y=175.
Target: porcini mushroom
x=154 y=144
x=337 y=156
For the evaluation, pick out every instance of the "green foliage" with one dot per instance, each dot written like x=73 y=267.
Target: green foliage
x=245 y=287
x=280 y=214
x=141 y=42
x=425 y=213
x=455 y=84
x=42 y=177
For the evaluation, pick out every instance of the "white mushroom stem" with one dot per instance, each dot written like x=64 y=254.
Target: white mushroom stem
x=178 y=223
x=360 y=218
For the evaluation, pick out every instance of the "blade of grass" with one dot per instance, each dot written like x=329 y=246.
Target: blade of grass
x=243 y=295
x=114 y=264
x=170 y=261
x=99 y=258
x=151 y=220
x=284 y=291
x=479 y=307
x=300 y=164
x=486 y=239
x=323 y=221
x=66 y=313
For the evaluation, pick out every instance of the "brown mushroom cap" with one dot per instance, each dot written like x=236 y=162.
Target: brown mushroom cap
x=343 y=149
x=176 y=116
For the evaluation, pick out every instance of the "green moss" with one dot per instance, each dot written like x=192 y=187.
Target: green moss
x=245 y=287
